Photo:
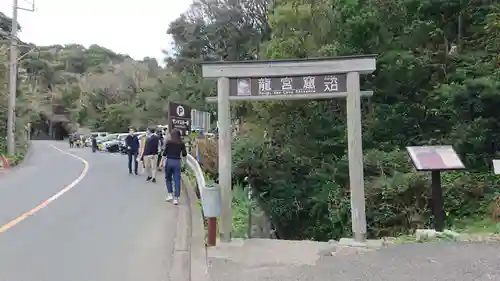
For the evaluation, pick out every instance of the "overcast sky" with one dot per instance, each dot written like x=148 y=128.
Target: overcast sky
x=133 y=27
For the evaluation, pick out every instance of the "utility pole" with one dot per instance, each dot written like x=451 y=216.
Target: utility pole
x=11 y=117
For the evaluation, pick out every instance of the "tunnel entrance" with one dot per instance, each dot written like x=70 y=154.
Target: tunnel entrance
x=40 y=129
x=59 y=130
x=54 y=128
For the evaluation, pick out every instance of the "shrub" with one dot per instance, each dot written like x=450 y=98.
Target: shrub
x=311 y=201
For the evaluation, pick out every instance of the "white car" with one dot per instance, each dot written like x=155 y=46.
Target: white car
x=106 y=144
x=107 y=139
x=116 y=140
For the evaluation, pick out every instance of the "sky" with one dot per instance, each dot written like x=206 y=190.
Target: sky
x=134 y=27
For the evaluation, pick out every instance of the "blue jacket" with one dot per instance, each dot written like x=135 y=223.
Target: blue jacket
x=152 y=144
x=133 y=142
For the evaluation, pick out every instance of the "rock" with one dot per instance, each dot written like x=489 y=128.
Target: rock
x=430 y=234
x=422 y=235
x=451 y=234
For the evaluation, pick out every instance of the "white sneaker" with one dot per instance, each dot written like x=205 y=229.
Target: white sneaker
x=176 y=201
x=169 y=197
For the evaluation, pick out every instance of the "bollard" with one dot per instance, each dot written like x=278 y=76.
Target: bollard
x=5 y=162
x=211 y=201
x=250 y=198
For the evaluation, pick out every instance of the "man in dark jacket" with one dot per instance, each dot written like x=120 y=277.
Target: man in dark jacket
x=150 y=154
x=132 y=143
x=93 y=140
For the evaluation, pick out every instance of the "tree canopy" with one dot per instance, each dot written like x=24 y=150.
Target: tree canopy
x=437 y=82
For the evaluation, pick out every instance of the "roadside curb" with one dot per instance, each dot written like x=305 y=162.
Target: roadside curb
x=28 y=155
x=198 y=250
x=180 y=267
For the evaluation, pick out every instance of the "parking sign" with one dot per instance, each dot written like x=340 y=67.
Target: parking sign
x=179 y=117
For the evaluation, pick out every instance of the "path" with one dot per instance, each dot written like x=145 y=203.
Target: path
x=110 y=226
x=271 y=260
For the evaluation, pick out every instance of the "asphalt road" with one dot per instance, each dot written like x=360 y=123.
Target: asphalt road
x=108 y=226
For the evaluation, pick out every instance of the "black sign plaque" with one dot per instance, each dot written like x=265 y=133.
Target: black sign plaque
x=284 y=86
x=179 y=117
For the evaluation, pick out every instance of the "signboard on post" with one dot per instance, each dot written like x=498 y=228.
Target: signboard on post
x=430 y=158
x=179 y=117
x=435 y=159
x=296 y=79
x=283 y=86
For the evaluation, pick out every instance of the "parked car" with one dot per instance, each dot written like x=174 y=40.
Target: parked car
x=122 y=146
x=114 y=144
x=97 y=135
x=103 y=142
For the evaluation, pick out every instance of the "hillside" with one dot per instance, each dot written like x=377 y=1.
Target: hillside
x=88 y=84
x=437 y=82
x=93 y=87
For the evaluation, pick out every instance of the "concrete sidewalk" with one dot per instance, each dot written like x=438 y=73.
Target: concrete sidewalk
x=262 y=260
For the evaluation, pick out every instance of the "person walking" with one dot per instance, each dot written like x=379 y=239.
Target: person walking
x=150 y=153
x=132 y=143
x=174 y=149
x=93 y=140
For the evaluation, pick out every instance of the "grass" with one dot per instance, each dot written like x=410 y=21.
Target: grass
x=240 y=206
x=477 y=225
x=467 y=226
x=16 y=159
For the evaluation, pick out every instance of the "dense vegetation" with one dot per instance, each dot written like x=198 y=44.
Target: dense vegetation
x=437 y=82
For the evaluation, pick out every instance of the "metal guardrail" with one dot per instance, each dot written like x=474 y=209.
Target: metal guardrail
x=198 y=173
x=210 y=200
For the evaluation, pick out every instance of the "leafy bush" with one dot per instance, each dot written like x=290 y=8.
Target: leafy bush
x=307 y=203
x=208 y=152
x=240 y=207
